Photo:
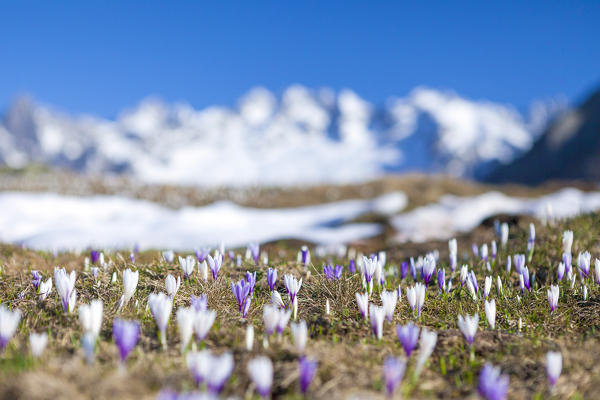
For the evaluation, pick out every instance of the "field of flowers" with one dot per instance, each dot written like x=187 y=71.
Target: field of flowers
x=509 y=311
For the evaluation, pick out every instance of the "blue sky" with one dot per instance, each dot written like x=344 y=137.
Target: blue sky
x=100 y=56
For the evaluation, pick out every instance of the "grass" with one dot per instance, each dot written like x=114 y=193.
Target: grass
x=349 y=357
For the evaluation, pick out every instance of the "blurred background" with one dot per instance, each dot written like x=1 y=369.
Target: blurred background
x=185 y=124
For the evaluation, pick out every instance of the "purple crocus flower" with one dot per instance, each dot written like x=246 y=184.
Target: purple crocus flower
x=251 y=280
x=413 y=269
x=337 y=272
x=308 y=368
x=352 y=266
x=393 y=372
x=442 y=280
x=583 y=263
x=94 y=256
x=475 y=249
x=201 y=254
x=473 y=280
x=132 y=257
x=328 y=272
x=36 y=279
x=492 y=385
x=567 y=259
x=408 y=335
x=403 y=270
x=126 y=334
x=241 y=291
x=255 y=252
x=215 y=264
x=560 y=272
x=525 y=279
x=519 y=262
x=199 y=303
x=271 y=278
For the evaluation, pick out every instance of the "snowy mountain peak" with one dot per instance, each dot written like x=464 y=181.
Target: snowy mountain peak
x=305 y=136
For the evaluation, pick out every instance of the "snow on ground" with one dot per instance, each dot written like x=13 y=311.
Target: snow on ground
x=461 y=214
x=52 y=221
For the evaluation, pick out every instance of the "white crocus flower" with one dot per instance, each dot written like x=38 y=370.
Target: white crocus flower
x=567 y=241
x=553 y=366
x=45 y=289
x=204 y=321
x=487 y=286
x=172 y=285
x=260 y=370
x=203 y=268
x=300 y=335
x=389 y=301
x=9 y=322
x=90 y=317
x=130 y=282
x=363 y=304
x=490 y=312
x=427 y=344
x=249 y=337
x=160 y=307
x=468 y=326
x=185 y=324
x=187 y=265
x=37 y=343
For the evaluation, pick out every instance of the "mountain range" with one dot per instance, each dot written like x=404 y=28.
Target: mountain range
x=303 y=136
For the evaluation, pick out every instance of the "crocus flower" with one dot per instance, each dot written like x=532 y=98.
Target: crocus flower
x=379 y=273
x=185 y=324
x=276 y=300
x=567 y=241
x=427 y=344
x=126 y=335
x=428 y=268
x=95 y=271
x=464 y=274
x=531 y=241
x=292 y=286
x=484 y=252
x=560 y=272
x=487 y=286
x=490 y=312
x=376 y=315
x=508 y=264
x=65 y=286
x=308 y=368
x=389 y=300
x=199 y=303
x=249 y=337
x=241 y=291
x=328 y=271
x=503 y=234
x=88 y=344
x=519 y=262
x=442 y=279
x=130 y=281
x=172 y=285
x=494 y=250
x=416 y=297
x=403 y=270
x=90 y=317
x=251 y=280
x=327 y=308
x=468 y=326
x=475 y=250
x=199 y=364
x=203 y=269
x=499 y=285
x=9 y=322
x=187 y=265
x=393 y=372
x=567 y=259
x=492 y=385
x=337 y=272
x=304 y=255
x=260 y=370
x=524 y=279
x=201 y=254
x=37 y=343
x=553 y=366
x=300 y=335
x=271 y=278
x=168 y=256
x=369 y=269
x=94 y=256
x=583 y=263
x=36 y=279
x=352 y=267
x=408 y=335
x=413 y=269
x=282 y=320
x=45 y=289
x=363 y=304
x=215 y=264
x=453 y=249
x=254 y=252
x=553 y=295
x=204 y=321
x=473 y=280
x=160 y=307
x=271 y=318
x=221 y=368
x=597 y=270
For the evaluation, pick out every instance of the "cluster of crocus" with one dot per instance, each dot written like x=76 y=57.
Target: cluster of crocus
x=215 y=263
x=187 y=266
x=241 y=291
x=275 y=319
x=492 y=385
x=36 y=279
x=126 y=335
x=332 y=273
x=524 y=281
x=65 y=286
x=9 y=322
x=209 y=369
x=251 y=280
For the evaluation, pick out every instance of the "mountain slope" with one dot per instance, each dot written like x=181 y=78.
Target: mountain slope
x=568 y=149
x=306 y=136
